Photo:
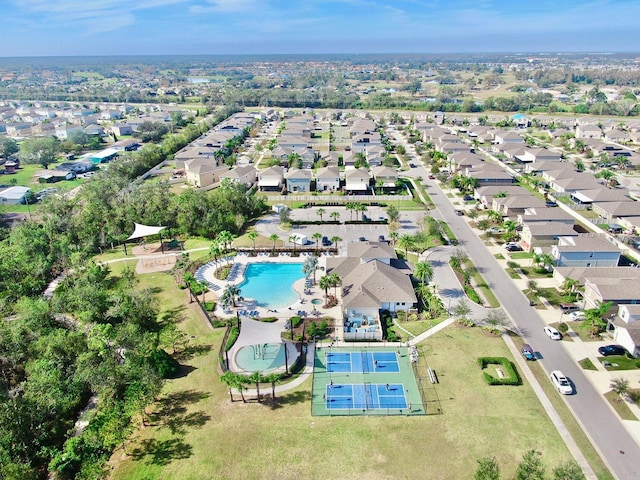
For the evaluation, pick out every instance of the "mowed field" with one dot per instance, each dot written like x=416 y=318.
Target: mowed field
x=198 y=433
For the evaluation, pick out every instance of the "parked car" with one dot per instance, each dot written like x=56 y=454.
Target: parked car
x=468 y=198
x=381 y=238
x=432 y=177
x=495 y=230
x=460 y=212
x=551 y=204
x=512 y=247
x=568 y=307
x=577 y=315
x=561 y=382
x=325 y=241
x=527 y=352
x=553 y=333
x=362 y=239
x=612 y=350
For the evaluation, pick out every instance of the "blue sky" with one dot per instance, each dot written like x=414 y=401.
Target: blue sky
x=116 y=27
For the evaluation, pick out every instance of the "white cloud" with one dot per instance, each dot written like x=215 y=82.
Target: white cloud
x=229 y=6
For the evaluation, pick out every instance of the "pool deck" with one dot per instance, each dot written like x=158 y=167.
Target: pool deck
x=303 y=304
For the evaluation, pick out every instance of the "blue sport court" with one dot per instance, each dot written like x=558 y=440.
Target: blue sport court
x=361 y=362
x=365 y=396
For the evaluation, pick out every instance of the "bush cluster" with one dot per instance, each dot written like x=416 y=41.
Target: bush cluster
x=512 y=376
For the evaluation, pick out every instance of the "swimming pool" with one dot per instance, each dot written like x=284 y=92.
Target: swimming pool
x=271 y=284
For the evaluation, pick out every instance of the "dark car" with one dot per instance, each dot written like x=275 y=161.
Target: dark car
x=326 y=242
x=432 y=177
x=459 y=213
x=513 y=248
x=551 y=204
x=612 y=350
x=381 y=238
x=468 y=198
x=362 y=239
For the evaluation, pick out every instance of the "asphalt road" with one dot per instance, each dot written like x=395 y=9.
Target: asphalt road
x=620 y=451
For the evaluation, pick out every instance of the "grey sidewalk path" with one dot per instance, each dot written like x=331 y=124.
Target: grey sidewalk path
x=432 y=331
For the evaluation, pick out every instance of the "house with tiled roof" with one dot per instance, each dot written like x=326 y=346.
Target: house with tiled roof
x=370 y=283
x=328 y=179
x=618 y=290
x=625 y=328
x=585 y=251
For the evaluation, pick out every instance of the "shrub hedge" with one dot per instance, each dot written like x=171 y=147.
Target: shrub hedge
x=512 y=377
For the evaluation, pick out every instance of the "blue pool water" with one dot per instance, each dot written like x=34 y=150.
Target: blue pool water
x=271 y=284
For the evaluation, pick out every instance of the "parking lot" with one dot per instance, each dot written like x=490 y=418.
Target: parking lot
x=348 y=233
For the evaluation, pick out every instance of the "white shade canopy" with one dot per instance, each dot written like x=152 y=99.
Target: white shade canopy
x=144 y=231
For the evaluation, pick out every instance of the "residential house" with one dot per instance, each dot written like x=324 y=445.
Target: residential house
x=543 y=234
x=545 y=214
x=298 y=180
x=385 y=177
x=539 y=155
x=507 y=137
x=357 y=180
x=625 y=328
x=601 y=194
x=203 y=172
x=489 y=174
x=618 y=289
x=588 y=131
x=580 y=273
x=610 y=211
x=328 y=179
x=486 y=193
x=270 y=179
x=128 y=145
x=512 y=206
x=14 y=195
x=585 y=251
x=245 y=175
x=370 y=283
x=120 y=129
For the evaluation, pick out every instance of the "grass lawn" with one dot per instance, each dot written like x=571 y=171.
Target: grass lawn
x=620 y=362
x=199 y=433
x=587 y=364
x=417 y=327
x=520 y=255
x=583 y=333
x=620 y=406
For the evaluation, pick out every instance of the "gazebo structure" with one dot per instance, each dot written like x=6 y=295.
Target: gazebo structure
x=144 y=231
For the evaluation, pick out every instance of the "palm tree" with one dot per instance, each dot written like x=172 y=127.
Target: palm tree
x=320 y=212
x=252 y=236
x=335 y=281
x=230 y=380
x=273 y=378
x=335 y=240
x=350 y=206
x=325 y=283
x=256 y=377
x=309 y=267
x=394 y=236
x=216 y=250
x=274 y=238
x=317 y=236
x=494 y=216
x=225 y=237
x=361 y=207
x=292 y=241
x=232 y=292
x=335 y=216
x=423 y=270
x=406 y=241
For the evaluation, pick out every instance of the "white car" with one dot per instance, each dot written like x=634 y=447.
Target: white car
x=553 y=333
x=577 y=315
x=561 y=383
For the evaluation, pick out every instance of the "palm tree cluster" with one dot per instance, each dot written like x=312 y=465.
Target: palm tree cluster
x=328 y=281
x=355 y=207
x=240 y=382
